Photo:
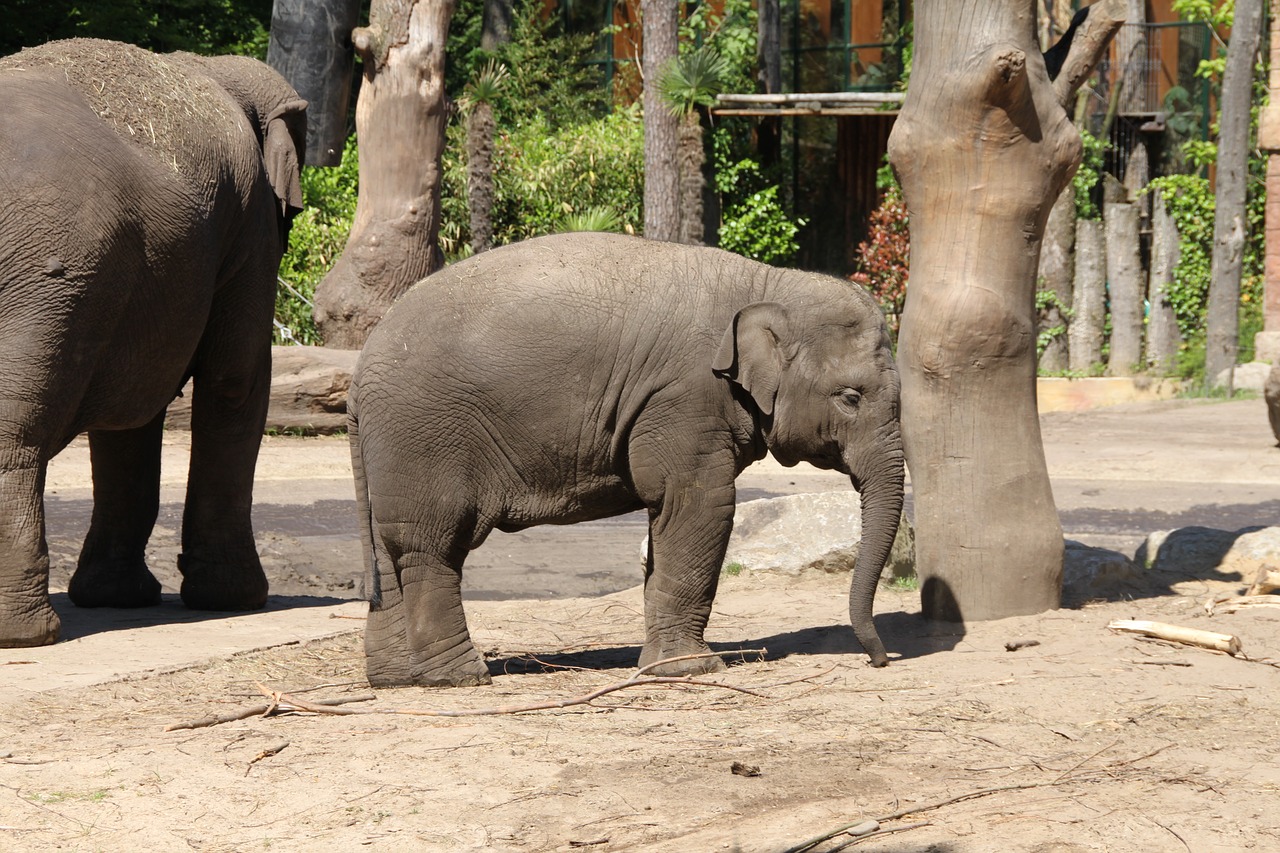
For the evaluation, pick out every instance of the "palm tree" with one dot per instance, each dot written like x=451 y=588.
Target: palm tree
x=478 y=102
x=688 y=86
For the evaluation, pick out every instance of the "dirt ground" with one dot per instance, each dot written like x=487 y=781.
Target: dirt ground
x=1088 y=741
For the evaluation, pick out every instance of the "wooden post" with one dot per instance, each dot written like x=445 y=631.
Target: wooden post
x=1162 y=324
x=1126 y=287
x=1089 y=296
x=1057 y=272
x=983 y=147
x=1267 y=342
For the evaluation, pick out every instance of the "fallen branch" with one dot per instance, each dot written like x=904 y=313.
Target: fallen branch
x=1240 y=602
x=1228 y=643
x=285 y=703
x=260 y=711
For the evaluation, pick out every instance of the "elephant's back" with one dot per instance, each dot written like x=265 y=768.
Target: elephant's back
x=166 y=113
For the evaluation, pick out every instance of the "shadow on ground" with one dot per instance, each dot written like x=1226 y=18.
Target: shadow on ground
x=906 y=636
x=80 y=622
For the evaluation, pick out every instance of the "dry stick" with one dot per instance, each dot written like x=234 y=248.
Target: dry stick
x=877 y=834
x=637 y=680
x=285 y=702
x=259 y=711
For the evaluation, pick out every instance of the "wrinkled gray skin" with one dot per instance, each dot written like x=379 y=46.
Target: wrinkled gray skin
x=128 y=263
x=581 y=376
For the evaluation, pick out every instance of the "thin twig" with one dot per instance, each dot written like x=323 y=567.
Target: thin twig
x=259 y=711
x=878 y=834
x=284 y=703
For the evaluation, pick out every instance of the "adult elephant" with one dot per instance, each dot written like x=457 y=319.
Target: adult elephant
x=581 y=376
x=146 y=207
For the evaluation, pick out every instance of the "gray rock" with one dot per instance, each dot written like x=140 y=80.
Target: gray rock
x=821 y=531
x=1271 y=392
x=1205 y=551
x=1250 y=376
x=1090 y=571
x=308 y=391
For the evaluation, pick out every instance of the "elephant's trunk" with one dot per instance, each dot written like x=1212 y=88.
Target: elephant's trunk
x=878 y=477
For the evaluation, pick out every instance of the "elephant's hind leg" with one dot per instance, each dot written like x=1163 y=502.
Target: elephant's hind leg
x=112 y=571
x=232 y=386
x=417 y=630
x=26 y=618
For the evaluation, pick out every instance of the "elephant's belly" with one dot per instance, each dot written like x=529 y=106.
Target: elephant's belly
x=568 y=506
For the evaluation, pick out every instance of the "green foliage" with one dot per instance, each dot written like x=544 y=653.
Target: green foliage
x=753 y=220
x=543 y=174
x=881 y=260
x=317 y=238
x=199 y=26
x=1046 y=299
x=693 y=80
x=730 y=30
x=1086 y=177
x=592 y=219
x=1189 y=201
x=551 y=81
x=486 y=85
x=732 y=569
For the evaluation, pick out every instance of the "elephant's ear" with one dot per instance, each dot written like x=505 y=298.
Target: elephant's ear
x=752 y=351
x=283 y=149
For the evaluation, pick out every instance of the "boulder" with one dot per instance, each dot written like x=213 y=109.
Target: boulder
x=817 y=531
x=1201 y=551
x=1089 y=571
x=1250 y=376
x=308 y=391
x=1271 y=392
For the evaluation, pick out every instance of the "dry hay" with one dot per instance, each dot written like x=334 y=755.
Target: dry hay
x=149 y=100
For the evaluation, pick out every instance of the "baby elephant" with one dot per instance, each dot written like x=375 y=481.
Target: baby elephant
x=582 y=376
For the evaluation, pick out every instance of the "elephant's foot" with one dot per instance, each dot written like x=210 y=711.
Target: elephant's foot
x=223 y=585
x=467 y=669
x=113 y=583
x=655 y=651
x=23 y=624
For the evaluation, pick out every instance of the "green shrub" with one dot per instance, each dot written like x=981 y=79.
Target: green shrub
x=317 y=238
x=542 y=177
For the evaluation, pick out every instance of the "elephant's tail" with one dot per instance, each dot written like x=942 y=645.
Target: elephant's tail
x=364 y=510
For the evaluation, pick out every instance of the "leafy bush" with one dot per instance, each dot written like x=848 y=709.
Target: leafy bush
x=317 y=238
x=753 y=220
x=881 y=259
x=543 y=175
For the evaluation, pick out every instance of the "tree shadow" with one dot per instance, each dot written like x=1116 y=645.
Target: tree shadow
x=1186 y=554
x=78 y=622
x=906 y=636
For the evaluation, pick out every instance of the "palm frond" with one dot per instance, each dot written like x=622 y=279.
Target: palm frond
x=693 y=79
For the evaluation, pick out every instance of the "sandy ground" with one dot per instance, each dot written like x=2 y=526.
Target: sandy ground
x=1088 y=741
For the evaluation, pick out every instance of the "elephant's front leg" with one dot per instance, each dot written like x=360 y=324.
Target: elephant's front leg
x=688 y=535
x=219 y=560
x=112 y=570
x=26 y=619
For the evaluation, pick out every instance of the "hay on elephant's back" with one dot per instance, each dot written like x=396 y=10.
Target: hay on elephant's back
x=147 y=99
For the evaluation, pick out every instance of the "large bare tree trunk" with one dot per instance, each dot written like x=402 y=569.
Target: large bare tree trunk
x=400 y=122
x=661 y=172
x=1223 y=320
x=1162 y=325
x=983 y=147
x=769 y=77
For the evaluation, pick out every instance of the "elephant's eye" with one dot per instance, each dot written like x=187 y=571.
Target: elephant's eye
x=851 y=397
